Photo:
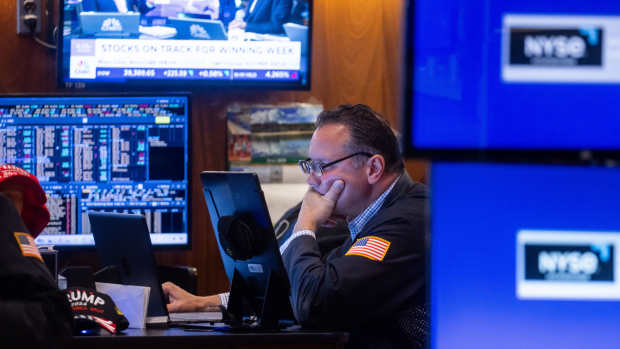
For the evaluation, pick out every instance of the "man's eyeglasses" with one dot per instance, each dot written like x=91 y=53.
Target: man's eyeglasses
x=309 y=166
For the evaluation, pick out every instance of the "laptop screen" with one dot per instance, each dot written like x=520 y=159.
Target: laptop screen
x=110 y=23
x=123 y=240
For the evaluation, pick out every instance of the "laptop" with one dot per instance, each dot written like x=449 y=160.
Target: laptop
x=298 y=32
x=112 y=24
x=123 y=240
x=198 y=29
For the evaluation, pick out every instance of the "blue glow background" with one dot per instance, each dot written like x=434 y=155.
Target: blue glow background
x=461 y=102
x=477 y=210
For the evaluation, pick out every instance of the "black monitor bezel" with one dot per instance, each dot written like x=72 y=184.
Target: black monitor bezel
x=192 y=85
x=533 y=155
x=188 y=95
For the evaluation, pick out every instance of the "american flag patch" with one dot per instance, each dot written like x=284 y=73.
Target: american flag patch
x=27 y=245
x=370 y=247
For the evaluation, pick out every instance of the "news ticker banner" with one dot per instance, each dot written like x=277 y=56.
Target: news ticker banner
x=560 y=49
x=190 y=59
x=563 y=265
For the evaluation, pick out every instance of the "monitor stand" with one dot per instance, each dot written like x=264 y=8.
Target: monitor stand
x=275 y=312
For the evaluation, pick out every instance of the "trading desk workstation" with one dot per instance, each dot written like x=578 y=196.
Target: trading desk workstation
x=512 y=105
x=171 y=337
x=128 y=153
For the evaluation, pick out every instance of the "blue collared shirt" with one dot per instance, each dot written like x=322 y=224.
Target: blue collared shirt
x=357 y=223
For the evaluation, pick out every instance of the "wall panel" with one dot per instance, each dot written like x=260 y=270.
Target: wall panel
x=356 y=57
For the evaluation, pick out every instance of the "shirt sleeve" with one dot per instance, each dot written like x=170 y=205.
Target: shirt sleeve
x=224 y=298
x=294 y=236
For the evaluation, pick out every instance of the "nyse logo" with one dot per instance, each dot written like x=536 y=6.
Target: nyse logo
x=556 y=47
x=198 y=31
x=572 y=263
x=111 y=25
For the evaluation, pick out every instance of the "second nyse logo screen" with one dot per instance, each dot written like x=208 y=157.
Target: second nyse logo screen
x=567 y=264
x=556 y=47
x=577 y=263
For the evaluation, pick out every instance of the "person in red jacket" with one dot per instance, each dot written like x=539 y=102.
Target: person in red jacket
x=34 y=311
x=27 y=195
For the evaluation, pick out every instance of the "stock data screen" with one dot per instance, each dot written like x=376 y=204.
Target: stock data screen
x=115 y=153
x=524 y=256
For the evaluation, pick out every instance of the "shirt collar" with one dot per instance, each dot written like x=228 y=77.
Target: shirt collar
x=357 y=223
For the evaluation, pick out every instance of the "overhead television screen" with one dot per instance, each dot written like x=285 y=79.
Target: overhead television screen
x=522 y=257
x=513 y=75
x=103 y=153
x=164 y=43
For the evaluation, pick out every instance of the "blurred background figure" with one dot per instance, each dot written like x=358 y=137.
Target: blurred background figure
x=228 y=9
x=300 y=12
x=208 y=8
x=142 y=6
x=223 y=10
x=264 y=16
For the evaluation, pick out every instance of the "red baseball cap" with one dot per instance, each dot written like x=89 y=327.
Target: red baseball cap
x=35 y=214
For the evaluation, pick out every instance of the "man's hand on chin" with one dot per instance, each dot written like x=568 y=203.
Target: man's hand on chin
x=316 y=209
x=334 y=221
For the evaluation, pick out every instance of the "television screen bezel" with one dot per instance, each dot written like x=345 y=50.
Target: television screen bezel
x=530 y=155
x=178 y=84
x=188 y=204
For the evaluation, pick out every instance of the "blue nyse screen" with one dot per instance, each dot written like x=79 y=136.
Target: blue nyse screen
x=112 y=153
x=524 y=256
x=519 y=75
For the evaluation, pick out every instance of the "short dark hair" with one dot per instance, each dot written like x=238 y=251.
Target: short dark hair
x=369 y=132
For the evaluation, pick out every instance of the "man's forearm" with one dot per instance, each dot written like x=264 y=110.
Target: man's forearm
x=208 y=303
x=305 y=224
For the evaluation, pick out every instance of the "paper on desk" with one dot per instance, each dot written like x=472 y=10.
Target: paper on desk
x=131 y=300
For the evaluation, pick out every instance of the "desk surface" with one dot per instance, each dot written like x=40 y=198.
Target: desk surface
x=166 y=338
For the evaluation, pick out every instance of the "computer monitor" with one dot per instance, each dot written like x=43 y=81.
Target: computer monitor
x=184 y=44
x=198 y=29
x=533 y=79
x=117 y=153
x=524 y=256
x=110 y=24
x=248 y=248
